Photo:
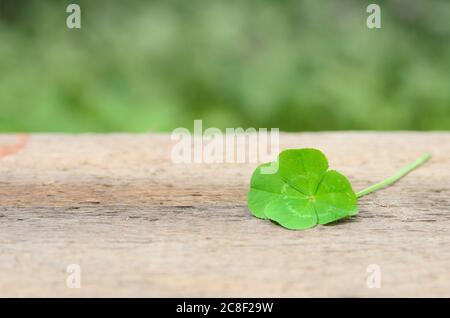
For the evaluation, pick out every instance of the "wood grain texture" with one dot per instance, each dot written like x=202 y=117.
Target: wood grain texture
x=140 y=225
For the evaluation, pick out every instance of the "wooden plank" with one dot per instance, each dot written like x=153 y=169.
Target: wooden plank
x=139 y=225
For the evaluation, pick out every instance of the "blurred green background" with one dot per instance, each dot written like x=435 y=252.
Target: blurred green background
x=156 y=65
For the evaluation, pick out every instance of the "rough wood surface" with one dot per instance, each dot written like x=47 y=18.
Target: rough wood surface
x=139 y=225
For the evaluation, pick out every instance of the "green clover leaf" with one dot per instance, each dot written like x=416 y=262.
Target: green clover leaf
x=303 y=192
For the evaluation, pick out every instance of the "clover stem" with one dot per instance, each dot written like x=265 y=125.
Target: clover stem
x=402 y=172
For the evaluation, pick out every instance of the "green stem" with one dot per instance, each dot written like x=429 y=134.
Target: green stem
x=395 y=177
